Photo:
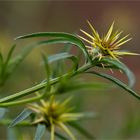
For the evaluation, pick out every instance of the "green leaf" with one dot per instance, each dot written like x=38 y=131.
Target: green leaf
x=66 y=48
x=62 y=37
x=28 y=91
x=82 y=131
x=116 y=81
x=1 y=61
x=4 y=68
x=6 y=121
x=48 y=73
x=58 y=56
x=2 y=112
x=10 y=55
x=42 y=85
x=64 y=55
x=119 y=65
x=25 y=51
x=22 y=116
x=14 y=62
x=39 y=131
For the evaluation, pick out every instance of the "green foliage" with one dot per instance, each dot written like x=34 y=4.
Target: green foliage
x=120 y=66
x=56 y=84
x=6 y=68
x=2 y=112
x=23 y=115
x=39 y=132
x=118 y=82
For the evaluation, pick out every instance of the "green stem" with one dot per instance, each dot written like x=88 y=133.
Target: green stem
x=33 y=99
x=28 y=91
x=52 y=130
x=8 y=122
x=24 y=101
x=38 y=87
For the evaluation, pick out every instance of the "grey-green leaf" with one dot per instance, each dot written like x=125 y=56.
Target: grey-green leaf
x=39 y=132
x=2 y=112
x=11 y=134
x=64 y=55
x=22 y=116
x=58 y=56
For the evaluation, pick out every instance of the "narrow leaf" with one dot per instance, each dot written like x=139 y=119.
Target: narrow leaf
x=58 y=56
x=48 y=73
x=1 y=60
x=10 y=54
x=39 y=132
x=11 y=134
x=116 y=81
x=25 y=51
x=19 y=58
x=119 y=65
x=2 y=112
x=64 y=55
x=28 y=91
x=33 y=89
x=69 y=38
x=22 y=116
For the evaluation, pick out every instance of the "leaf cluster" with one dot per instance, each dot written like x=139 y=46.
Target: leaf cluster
x=56 y=82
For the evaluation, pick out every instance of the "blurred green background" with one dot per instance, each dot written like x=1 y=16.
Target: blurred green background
x=119 y=112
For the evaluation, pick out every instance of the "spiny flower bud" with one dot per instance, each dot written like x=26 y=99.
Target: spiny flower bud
x=106 y=46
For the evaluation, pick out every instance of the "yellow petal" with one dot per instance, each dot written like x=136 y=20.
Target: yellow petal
x=94 y=32
x=109 y=32
x=124 y=53
x=87 y=34
x=115 y=36
x=112 y=54
x=122 y=40
x=86 y=40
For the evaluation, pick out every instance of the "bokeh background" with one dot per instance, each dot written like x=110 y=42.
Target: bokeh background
x=119 y=112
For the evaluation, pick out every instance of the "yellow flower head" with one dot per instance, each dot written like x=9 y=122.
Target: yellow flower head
x=55 y=113
x=107 y=45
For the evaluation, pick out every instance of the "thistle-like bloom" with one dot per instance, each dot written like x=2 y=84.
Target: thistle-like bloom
x=55 y=113
x=106 y=45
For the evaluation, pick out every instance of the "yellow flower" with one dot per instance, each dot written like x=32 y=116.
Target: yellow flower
x=55 y=113
x=107 y=45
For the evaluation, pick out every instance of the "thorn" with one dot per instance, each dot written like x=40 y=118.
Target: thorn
x=103 y=65
x=111 y=70
x=121 y=71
